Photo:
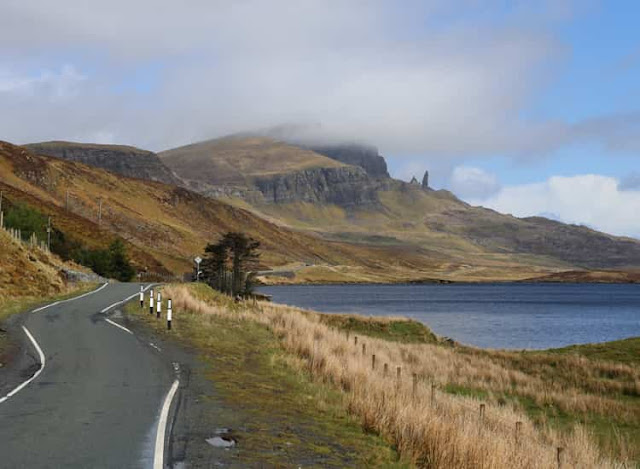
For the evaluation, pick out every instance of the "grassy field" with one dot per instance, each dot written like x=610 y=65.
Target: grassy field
x=575 y=399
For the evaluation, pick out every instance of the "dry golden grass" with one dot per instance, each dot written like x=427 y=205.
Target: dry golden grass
x=429 y=427
x=27 y=271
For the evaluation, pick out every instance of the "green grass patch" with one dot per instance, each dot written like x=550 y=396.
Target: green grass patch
x=396 y=330
x=625 y=351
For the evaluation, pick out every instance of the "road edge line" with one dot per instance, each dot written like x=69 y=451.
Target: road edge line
x=104 y=285
x=113 y=323
x=35 y=375
x=104 y=310
x=158 y=455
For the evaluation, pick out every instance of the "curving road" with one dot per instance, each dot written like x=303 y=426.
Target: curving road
x=98 y=400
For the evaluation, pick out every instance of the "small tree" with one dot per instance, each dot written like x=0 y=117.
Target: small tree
x=120 y=267
x=228 y=264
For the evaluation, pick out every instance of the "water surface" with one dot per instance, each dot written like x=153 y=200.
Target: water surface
x=516 y=316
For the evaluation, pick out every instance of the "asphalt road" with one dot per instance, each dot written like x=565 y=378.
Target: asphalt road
x=97 y=401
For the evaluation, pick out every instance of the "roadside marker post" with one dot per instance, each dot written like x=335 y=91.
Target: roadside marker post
x=158 y=305
x=141 y=296
x=169 y=314
x=151 y=301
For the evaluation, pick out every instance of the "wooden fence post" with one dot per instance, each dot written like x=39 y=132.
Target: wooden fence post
x=415 y=387
x=518 y=429
x=385 y=370
x=373 y=362
x=364 y=348
x=559 y=458
x=482 y=408
x=433 y=394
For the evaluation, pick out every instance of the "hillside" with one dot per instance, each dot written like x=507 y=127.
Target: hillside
x=327 y=223
x=470 y=243
x=238 y=160
x=121 y=159
x=28 y=272
x=165 y=226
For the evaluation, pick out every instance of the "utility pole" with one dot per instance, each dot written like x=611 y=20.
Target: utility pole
x=49 y=234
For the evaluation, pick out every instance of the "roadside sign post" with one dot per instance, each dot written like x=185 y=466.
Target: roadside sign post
x=141 y=296
x=198 y=260
x=158 y=305
x=151 y=301
x=169 y=314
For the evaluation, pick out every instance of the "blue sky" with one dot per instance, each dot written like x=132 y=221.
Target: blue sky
x=524 y=107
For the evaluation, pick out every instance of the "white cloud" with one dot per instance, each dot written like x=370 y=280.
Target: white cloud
x=473 y=183
x=46 y=84
x=412 y=78
x=593 y=200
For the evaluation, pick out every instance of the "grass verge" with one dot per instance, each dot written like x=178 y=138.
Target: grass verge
x=287 y=417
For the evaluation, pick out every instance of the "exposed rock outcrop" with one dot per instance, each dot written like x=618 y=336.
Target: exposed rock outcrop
x=367 y=157
x=347 y=186
x=425 y=180
x=125 y=160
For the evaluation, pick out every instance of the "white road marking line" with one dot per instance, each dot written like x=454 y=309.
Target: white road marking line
x=155 y=346
x=104 y=285
x=118 y=325
x=35 y=375
x=158 y=458
x=125 y=300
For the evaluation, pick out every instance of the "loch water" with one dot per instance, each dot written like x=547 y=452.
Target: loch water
x=510 y=315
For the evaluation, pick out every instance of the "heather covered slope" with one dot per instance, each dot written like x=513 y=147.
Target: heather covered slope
x=28 y=272
x=165 y=226
x=313 y=228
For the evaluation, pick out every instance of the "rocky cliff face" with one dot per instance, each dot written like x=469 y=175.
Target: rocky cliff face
x=347 y=186
x=366 y=157
x=128 y=161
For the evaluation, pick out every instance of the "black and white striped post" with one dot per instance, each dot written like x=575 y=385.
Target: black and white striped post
x=158 y=305
x=141 y=296
x=169 y=314
x=151 y=301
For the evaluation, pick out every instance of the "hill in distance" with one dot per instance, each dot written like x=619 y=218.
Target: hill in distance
x=165 y=226
x=320 y=219
x=366 y=207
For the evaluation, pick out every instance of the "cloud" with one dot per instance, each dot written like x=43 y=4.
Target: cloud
x=473 y=183
x=417 y=78
x=437 y=79
x=46 y=84
x=593 y=200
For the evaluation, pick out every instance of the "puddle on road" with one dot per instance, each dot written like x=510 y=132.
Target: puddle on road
x=222 y=440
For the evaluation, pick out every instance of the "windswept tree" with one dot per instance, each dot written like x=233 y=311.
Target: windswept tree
x=229 y=264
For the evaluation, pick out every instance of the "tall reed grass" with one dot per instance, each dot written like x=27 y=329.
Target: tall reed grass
x=399 y=393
